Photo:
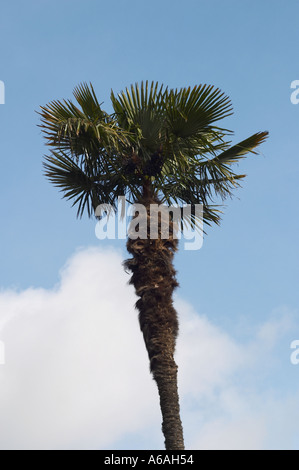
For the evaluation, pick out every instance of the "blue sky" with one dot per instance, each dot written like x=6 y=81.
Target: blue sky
x=244 y=280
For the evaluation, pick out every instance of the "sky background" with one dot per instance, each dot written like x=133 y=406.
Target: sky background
x=76 y=371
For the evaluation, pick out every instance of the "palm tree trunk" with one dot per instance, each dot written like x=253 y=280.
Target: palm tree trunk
x=154 y=281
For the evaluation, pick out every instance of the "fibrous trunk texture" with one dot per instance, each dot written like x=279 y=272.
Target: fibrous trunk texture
x=153 y=277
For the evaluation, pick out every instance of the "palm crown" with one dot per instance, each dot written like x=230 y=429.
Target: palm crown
x=157 y=137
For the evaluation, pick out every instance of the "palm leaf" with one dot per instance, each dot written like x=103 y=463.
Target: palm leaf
x=233 y=154
x=140 y=110
x=193 y=111
x=74 y=130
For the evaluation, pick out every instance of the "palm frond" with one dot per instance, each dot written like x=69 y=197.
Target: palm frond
x=83 y=183
x=74 y=130
x=86 y=97
x=191 y=112
x=140 y=111
x=76 y=185
x=233 y=154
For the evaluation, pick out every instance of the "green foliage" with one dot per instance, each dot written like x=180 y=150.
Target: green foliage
x=165 y=139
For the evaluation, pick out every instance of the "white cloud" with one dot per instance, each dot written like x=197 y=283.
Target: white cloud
x=72 y=376
x=77 y=376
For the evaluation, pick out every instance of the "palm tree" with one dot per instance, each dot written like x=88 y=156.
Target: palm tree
x=159 y=146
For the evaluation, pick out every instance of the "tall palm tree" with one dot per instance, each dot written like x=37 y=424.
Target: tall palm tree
x=159 y=146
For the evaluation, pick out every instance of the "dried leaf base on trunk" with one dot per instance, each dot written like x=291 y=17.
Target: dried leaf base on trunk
x=154 y=281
